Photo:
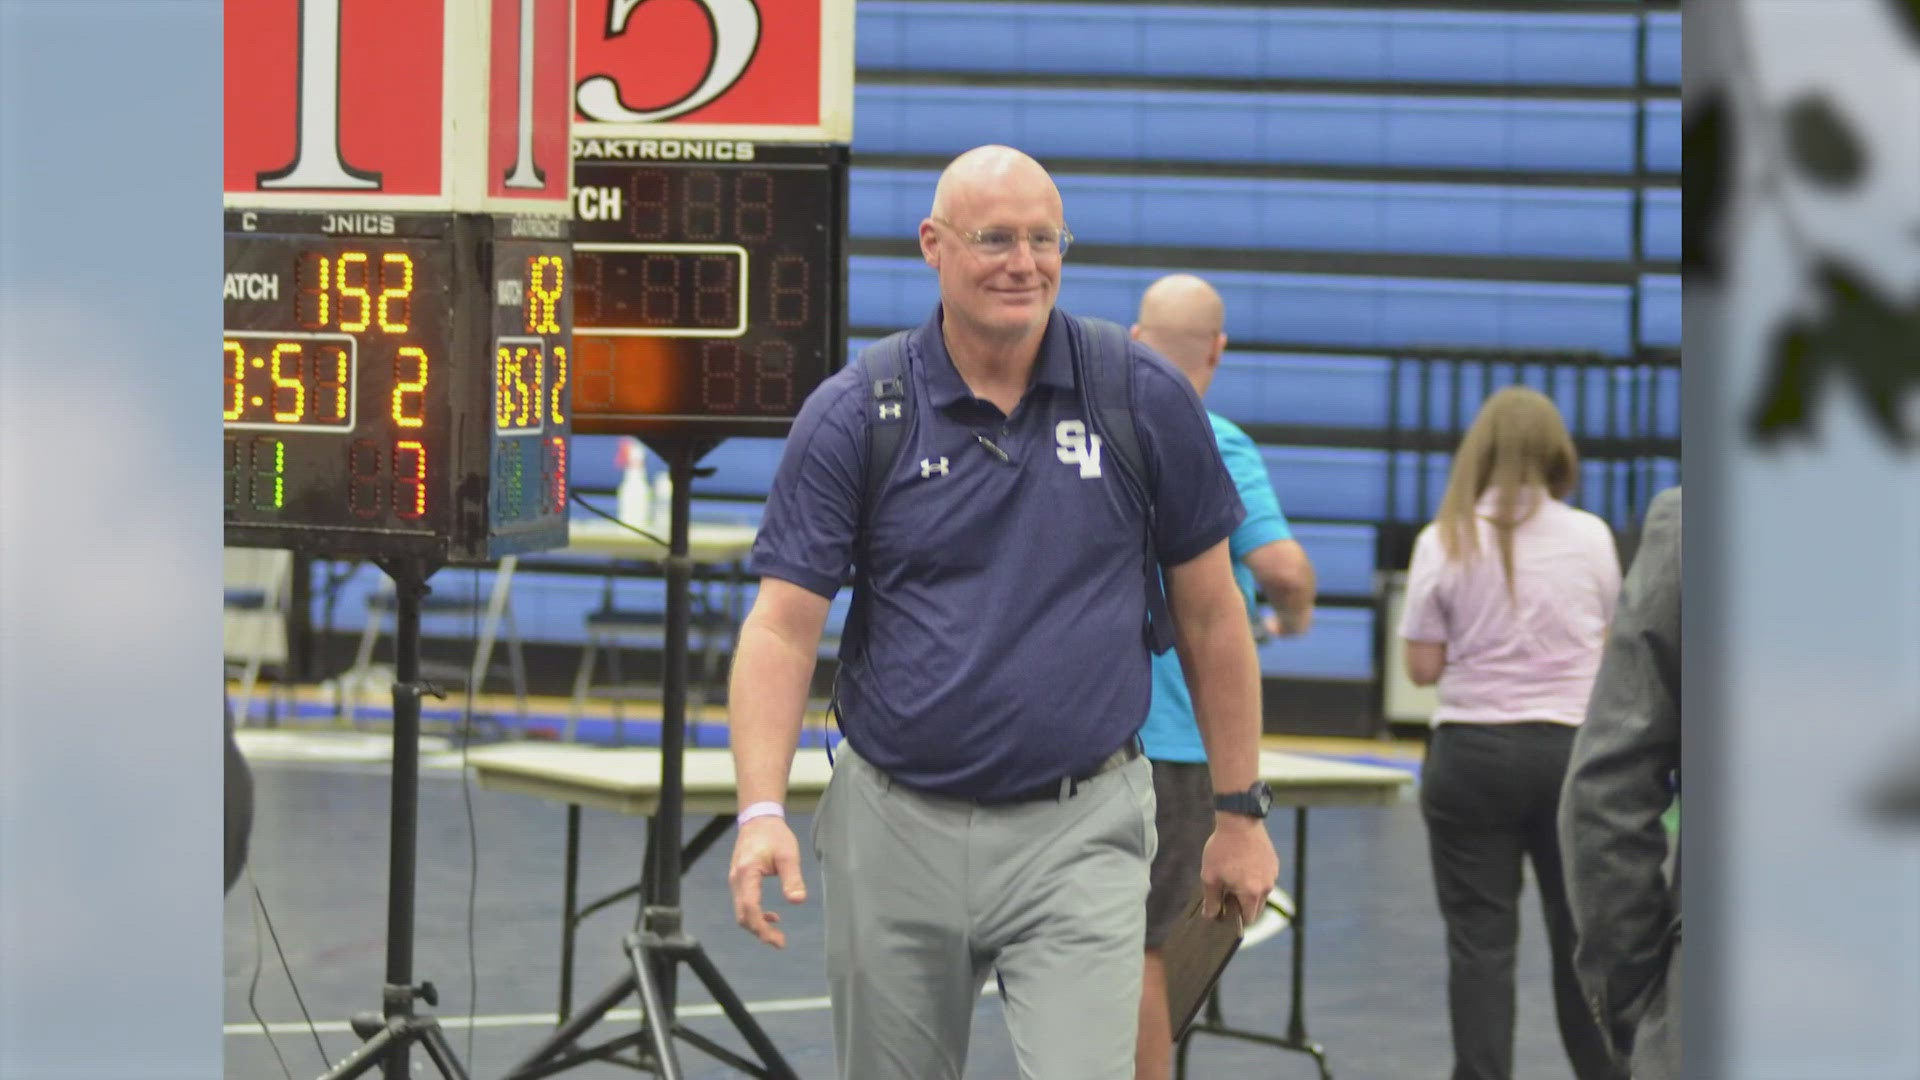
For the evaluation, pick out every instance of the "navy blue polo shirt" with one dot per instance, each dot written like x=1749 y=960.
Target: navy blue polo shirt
x=1004 y=647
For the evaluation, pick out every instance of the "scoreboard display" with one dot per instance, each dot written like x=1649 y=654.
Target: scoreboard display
x=396 y=384
x=709 y=295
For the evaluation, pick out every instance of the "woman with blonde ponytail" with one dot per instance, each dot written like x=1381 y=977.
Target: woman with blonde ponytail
x=1508 y=600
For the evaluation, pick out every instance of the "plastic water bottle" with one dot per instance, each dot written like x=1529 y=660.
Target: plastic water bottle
x=635 y=496
x=662 y=498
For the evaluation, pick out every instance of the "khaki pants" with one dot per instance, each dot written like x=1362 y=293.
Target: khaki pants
x=924 y=895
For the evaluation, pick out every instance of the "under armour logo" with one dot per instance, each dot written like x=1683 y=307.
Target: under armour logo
x=930 y=469
x=1076 y=447
x=890 y=410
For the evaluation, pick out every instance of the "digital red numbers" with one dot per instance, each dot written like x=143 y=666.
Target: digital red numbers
x=789 y=281
x=554 y=469
x=737 y=379
x=376 y=479
x=666 y=290
x=708 y=200
x=727 y=378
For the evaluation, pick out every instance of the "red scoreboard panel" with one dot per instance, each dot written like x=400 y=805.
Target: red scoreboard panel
x=396 y=384
x=709 y=291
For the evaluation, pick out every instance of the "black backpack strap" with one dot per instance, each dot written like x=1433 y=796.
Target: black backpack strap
x=1105 y=375
x=883 y=368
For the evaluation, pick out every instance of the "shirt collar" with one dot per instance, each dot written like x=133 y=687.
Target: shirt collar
x=943 y=381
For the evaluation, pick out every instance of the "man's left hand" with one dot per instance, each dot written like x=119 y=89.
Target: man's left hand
x=1239 y=863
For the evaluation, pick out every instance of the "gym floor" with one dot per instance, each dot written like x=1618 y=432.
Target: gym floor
x=1376 y=970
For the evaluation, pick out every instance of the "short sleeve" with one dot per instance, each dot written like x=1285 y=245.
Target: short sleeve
x=1195 y=504
x=813 y=508
x=1264 y=522
x=1424 y=618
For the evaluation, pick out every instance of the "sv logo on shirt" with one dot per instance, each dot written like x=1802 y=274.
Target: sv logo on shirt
x=1075 y=446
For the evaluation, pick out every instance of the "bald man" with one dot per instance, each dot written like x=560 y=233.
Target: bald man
x=990 y=809
x=1182 y=318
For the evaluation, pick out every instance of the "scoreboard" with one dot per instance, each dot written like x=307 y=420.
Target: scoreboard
x=396 y=384
x=709 y=294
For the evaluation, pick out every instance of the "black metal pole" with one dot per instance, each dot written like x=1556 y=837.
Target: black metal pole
x=409 y=585
x=673 y=708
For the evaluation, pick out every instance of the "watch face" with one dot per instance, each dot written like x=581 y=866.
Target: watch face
x=1263 y=796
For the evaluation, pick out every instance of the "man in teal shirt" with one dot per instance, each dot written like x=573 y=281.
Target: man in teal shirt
x=1181 y=317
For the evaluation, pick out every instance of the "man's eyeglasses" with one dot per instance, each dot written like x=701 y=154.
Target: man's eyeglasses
x=998 y=240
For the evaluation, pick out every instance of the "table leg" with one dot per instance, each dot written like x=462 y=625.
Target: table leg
x=490 y=629
x=1212 y=1022
x=1297 y=1020
x=568 y=920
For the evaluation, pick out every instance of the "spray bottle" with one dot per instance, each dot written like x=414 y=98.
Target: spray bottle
x=634 y=496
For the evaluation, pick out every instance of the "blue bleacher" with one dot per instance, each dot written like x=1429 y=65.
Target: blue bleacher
x=1351 y=484
x=1660 y=224
x=1259 y=214
x=1355 y=130
x=1306 y=309
x=1342 y=556
x=1339 y=646
x=1334 y=44
x=1663 y=136
x=1355 y=392
x=1660 y=310
x=1338 y=498
x=1663 y=48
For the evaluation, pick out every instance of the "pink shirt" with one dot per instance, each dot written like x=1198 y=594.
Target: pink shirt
x=1530 y=657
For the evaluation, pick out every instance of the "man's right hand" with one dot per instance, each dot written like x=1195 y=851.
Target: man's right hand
x=762 y=847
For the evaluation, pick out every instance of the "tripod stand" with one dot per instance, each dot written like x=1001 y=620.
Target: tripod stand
x=390 y=1033
x=658 y=944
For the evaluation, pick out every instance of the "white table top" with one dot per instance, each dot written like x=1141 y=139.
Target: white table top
x=627 y=781
x=707 y=541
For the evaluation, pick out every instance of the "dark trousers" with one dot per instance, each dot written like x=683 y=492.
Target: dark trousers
x=1489 y=793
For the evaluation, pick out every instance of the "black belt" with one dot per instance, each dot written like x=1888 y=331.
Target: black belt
x=1066 y=786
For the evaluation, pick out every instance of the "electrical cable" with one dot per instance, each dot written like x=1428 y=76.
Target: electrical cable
x=473 y=833
x=253 y=986
x=288 y=968
x=581 y=499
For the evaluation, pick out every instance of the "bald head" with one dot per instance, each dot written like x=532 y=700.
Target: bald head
x=996 y=296
x=986 y=169
x=1182 y=317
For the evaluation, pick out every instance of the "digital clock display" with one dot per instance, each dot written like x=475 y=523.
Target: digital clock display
x=350 y=365
x=709 y=295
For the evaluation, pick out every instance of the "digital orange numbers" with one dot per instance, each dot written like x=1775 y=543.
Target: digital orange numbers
x=410 y=379
x=352 y=292
x=519 y=384
x=559 y=383
x=287 y=380
x=546 y=281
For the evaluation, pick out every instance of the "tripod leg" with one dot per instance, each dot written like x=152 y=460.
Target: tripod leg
x=435 y=1041
x=653 y=1011
x=369 y=1056
x=736 y=1011
x=575 y=1027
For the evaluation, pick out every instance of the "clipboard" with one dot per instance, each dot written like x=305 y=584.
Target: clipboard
x=1195 y=953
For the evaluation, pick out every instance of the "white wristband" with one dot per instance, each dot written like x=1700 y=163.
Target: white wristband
x=761 y=809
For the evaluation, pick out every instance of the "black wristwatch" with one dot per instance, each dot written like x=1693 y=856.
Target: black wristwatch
x=1253 y=802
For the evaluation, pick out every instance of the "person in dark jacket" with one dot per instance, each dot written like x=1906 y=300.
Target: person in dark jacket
x=239 y=805
x=1624 y=775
